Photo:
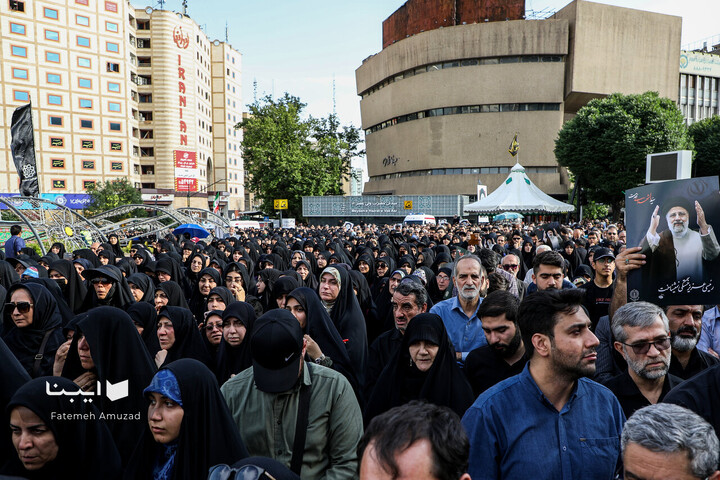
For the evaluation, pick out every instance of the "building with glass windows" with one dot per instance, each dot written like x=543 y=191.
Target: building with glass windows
x=699 y=83
x=441 y=103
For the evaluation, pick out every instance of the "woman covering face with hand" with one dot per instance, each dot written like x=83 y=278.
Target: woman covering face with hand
x=190 y=428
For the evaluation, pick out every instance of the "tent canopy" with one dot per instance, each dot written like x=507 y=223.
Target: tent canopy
x=518 y=194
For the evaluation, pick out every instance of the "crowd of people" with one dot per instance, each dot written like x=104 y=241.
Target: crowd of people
x=442 y=352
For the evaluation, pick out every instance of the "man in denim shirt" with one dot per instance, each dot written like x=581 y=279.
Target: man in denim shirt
x=549 y=419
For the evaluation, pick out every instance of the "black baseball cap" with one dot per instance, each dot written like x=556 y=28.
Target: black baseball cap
x=602 y=252
x=276 y=349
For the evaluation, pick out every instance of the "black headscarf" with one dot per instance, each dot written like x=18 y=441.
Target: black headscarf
x=89 y=440
x=88 y=255
x=198 y=301
x=119 y=354
x=437 y=295
x=119 y=295
x=13 y=377
x=144 y=283
x=25 y=342
x=573 y=258
x=225 y=295
x=116 y=246
x=233 y=360
x=401 y=381
x=73 y=289
x=348 y=318
x=311 y=280
x=268 y=276
x=8 y=275
x=208 y=434
x=61 y=252
x=188 y=342
x=109 y=254
x=174 y=294
x=145 y=314
x=283 y=286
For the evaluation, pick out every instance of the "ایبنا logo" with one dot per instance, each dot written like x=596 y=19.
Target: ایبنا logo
x=114 y=392
x=181 y=39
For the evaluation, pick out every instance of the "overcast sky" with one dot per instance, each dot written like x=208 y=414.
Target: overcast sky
x=300 y=46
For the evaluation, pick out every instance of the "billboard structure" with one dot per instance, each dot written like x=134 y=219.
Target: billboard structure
x=186 y=171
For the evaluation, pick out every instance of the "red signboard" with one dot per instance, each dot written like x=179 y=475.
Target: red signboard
x=185 y=159
x=186 y=184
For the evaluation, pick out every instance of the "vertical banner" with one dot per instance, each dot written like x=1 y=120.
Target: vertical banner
x=23 y=150
x=186 y=171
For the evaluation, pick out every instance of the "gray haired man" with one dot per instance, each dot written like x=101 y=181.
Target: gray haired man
x=667 y=441
x=642 y=337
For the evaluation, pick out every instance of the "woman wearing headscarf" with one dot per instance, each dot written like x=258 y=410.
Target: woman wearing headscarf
x=50 y=447
x=142 y=258
x=58 y=249
x=282 y=287
x=304 y=269
x=424 y=368
x=571 y=256
x=367 y=305
x=179 y=337
x=528 y=255
x=325 y=346
x=107 y=287
x=167 y=268
x=441 y=286
x=234 y=353
x=72 y=286
x=106 y=256
x=190 y=428
x=107 y=349
x=88 y=255
x=169 y=293
x=32 y=327
x=141 y=287
x=208 y=279
x=339 y=300
x=13 y=377
x=365 y=264
x=193 y=266
x=264 y=286
x=144 y=317
x=114 y=242
x=8 y=275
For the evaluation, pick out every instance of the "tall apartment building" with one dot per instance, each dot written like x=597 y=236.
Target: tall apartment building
x=122 y=92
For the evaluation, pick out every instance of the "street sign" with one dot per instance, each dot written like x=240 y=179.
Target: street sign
x=407 y=205
x=280 y=204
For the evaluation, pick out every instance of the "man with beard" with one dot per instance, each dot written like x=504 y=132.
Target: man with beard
x=504 y=355
x=459 y=314
x=548 y=419
x=685 y=328
x=642 y=337
x=678 y=253
x=549 y=272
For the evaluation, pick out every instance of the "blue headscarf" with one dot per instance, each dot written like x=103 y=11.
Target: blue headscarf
x=165 y=383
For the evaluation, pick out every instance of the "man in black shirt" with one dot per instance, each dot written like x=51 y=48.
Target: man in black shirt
x=504 y=355
x=599 y=291
x=642 y=336
x=685 y=328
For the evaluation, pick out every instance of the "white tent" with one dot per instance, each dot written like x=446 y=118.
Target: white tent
x=518 y=194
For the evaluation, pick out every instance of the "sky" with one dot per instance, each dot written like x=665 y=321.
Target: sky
x=302 y=46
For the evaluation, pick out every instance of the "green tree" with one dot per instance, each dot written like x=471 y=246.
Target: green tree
x=605 y=145
x=706 y=137
x=287 y=156
x=112 y=194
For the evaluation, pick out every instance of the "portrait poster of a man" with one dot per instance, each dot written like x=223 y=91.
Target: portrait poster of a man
x=673 y=224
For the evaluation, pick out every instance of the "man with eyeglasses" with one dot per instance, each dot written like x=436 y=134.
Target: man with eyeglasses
x=599 y=291
x=642 y=337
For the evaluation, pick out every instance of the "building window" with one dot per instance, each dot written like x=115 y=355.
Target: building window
x=114 y=106
x=143 y=43
x=88 y=183
x=111 y=7
x=113 y=87
x=54 y=78
x=116 y=146
x=84 y=123
x=52 y=35
x=86 y=103
x=57 y=141
x=55 y=121
x=17 y=28
x=21 y=96
x=111 y=27
x=82 y=2
x=84 y=62
x=57 y=162
x=58 y=184
x=50 y=13
x=54 y=99
x=84 y=83
x=113 y=67
x=112 y=47
x=115 y=127
x=19 y=51
x=87 y=144
x=52 y=57
x=146 y=98
x=17 y=6
x=20 y=73
x=82 y=20
x=83 y=41
x=88 y=164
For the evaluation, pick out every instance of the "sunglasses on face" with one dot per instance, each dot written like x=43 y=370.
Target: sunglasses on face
x=212 y=326
x=102 y=281
x=247 y=472
x=644 y=347
x=511 y=266
x=22 y=307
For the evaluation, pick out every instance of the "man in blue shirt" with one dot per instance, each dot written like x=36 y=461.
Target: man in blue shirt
x=548 y=420
x=710 y=339
x=15 y=243
x=459 y=314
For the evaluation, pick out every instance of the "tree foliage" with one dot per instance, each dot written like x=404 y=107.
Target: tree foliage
x=289 y=157
x=112 y=194
x=706 y=137
x=605 y=145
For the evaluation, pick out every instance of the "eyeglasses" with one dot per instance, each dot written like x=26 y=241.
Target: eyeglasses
x=511 y=266
x=23 y=307
x=644 y=347
x=103 y=281
x=247 y=472
x=212 y=326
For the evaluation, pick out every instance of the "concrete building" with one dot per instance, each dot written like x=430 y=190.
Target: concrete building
x=699 y=83
x=440 y=106
x=117 y=91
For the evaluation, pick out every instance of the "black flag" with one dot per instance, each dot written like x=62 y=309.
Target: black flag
x=23 y=150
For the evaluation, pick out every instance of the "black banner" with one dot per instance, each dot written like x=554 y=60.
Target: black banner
x=23 y=150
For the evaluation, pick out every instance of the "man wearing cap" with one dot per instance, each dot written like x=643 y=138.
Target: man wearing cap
x=282 y=398
x=599 y=290
x=678 y=253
